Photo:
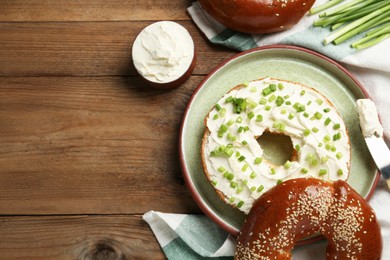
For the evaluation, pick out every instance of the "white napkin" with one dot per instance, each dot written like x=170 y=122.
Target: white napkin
x=197 y=237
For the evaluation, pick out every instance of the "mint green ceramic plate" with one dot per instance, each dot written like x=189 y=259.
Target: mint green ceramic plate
x=283 y=62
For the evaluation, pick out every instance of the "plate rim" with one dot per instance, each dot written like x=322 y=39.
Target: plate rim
x=191 y=187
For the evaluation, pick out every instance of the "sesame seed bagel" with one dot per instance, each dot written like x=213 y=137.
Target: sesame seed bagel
x=232 y=158
x=302 y=207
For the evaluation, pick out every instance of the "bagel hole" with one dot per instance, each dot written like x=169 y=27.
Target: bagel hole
x=277 y=147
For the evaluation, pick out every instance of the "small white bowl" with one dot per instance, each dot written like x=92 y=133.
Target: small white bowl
x=164 y=54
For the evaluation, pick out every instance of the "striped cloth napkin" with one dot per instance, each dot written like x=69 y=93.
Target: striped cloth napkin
x=189 y=237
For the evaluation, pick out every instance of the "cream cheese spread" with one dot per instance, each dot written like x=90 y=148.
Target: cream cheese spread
x=368 y=117
x=234 y=159
x=163 y=52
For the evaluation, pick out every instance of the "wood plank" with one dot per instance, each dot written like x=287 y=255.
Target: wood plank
x=77 y=237
x=90 y=145
x=93 y=10
x=85 y=49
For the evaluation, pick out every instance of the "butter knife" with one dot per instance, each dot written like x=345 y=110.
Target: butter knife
x=373 y=135
x=381 y=155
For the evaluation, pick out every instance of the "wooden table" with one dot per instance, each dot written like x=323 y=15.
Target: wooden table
x=85 y=147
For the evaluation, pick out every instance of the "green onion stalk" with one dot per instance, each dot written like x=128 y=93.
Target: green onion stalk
x=368 y=17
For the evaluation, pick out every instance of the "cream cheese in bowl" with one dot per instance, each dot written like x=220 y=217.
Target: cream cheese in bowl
x=164 y=54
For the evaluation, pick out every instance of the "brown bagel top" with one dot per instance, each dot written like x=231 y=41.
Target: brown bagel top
x=257 y=16
x=302 y=207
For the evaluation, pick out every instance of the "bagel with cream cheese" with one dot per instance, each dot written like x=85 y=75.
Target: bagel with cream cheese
x=234 y=161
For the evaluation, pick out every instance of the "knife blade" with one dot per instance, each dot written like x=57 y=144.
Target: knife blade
x=372 y=131
x=381 y=155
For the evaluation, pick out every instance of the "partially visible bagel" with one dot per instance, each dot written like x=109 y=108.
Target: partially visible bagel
x=302 y=207
x=257 y=16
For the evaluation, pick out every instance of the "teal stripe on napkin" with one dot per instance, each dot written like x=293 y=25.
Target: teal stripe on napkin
x=179 y=250
x=205 y=245
x=234 y=40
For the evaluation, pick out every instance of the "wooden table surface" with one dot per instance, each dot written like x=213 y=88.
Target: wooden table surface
x=85 y=147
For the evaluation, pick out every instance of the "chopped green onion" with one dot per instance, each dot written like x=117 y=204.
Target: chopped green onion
x=279 y=101
x=261 y=187
x=326 y=138
x=253 y=175
x=339 y=155
x=229 y=99
x=287 y=165
x=337 y=136
x=240 y=204
x=327 y=121
x=259 y=118
x=317 y=115
x=241 y=158
x=251 y=115
x=322 y=172
x=245 y=167
x=263 y=101
x=258 y=160
x=221 y=169
x=231 y=137
x=239 y=189
x=266 y=91
x=304 y=170
x=271 y=98
x=233 y=184
x=228 y=175
x=229 y=152
x=340 y=172
x=222 y=113
x=306 y=132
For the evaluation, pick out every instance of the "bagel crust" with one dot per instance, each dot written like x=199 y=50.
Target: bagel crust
x=303 y=207
x=257 y=16
x=233 y=159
